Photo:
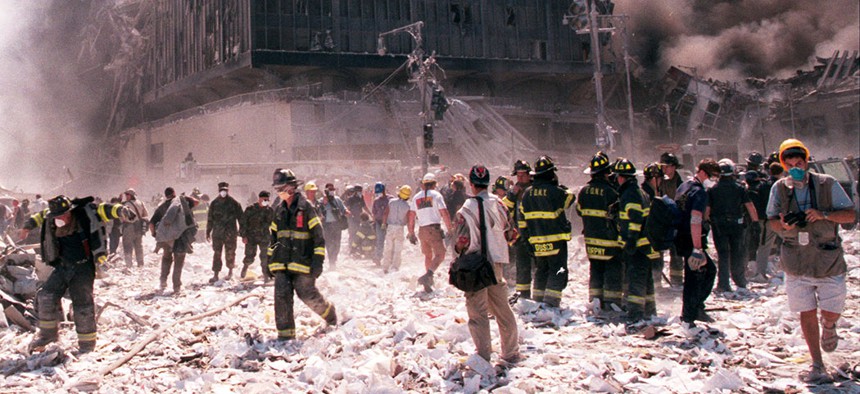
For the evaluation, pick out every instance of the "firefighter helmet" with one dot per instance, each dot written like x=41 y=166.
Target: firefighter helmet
x=404 y=192
x=501 y=183
x=58 y=206
x=624 y=167
x=283 y=177
x=521 y=165
x=479 y=175
x=670 y=159
x=755 y=159
x=379 y=187
x=792 y=148
x=653 y=170
x=543 y=165
x=773 y=158
x=599 y=163
x=727 y=167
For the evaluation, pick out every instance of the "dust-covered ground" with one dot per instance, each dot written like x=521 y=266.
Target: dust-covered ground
x=395 y=338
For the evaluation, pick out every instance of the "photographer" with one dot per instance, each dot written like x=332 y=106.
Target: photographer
x=805 y=210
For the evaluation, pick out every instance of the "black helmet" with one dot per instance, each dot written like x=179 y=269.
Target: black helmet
x=501 y=183
x=653 y=170
x=671 y=159
x=283 y=177
x=755 y=159
x=599 y=163
x=479 y=175
x=521 y=165
x=773 y=158
x=58 y=206
x=727 y=167
x=543 y=165
x=624 y=167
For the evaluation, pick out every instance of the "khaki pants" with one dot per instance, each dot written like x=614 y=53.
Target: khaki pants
x=391 y=255
x=493 y=299
x=432 y=245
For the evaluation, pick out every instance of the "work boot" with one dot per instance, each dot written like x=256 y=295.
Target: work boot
x=244 y=271
x=214 y=278
x=177 y=291
x=331 y=319
x=426 y=280
x=229 y=274
x=86 y=346
x=45 y=337
x=703 y=316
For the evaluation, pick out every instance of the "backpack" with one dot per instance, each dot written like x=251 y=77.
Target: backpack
x=661 y=226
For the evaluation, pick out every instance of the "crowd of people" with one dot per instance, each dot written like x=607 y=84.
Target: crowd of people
x=519 y=222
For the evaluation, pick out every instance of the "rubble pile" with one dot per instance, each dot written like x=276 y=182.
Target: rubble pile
x=393 y=337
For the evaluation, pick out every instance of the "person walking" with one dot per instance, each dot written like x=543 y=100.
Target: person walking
x=523 y=255
x=133 y=231
x=490 y=237
x=395 y=218
x=254 y=230
x=222 y=229
x=297 y=254
x=805 y=210
x=378 y=209
x=670 y=165
x=728 y=200
x=428 y=209
x=173 y=227
x=73 y=243
x=334 y=215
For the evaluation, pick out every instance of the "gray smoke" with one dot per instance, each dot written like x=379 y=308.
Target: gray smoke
x=47 y=108
x=735 y=39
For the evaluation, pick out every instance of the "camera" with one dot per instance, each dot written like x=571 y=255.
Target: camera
x=796 y=218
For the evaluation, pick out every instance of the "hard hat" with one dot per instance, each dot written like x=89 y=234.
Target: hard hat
x=429 y=178
x=404 y=192
x=755 y=158
x=283 y=177
x=727 y=167
x=773 y=157
x=501 y=183
x=379 y=187
x=131 y=192
x=792 y=147
x=58 y=206
x=479 y=175
x=521 y=165
x=311 y=185
x=653 y=170
x=671 y=159
x=543 y=165
x=599 y=163
x=624 y=167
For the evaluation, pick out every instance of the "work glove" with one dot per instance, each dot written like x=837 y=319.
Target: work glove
x=412 y=239
x=317 y=266
x=697 y=259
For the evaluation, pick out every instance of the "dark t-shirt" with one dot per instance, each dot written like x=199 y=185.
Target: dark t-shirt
x=690 y=196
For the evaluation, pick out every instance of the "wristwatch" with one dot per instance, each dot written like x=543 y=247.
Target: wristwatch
x=825 y=214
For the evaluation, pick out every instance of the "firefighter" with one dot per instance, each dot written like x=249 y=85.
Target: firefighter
x=669 y=163
x=728 y=199
x=547 y=231
x=500 y=187
x=525 y=261
x=73 y=241
x=653 y=180
x=296 y=255
x=254 y=230
x=133 y=232
x=594 y=205
x=633 y=206
x=201 y=215
x=221 y=228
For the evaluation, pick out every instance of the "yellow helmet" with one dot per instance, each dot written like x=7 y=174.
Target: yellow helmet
x=404 y=192
x=311 y=185
x=791 y=144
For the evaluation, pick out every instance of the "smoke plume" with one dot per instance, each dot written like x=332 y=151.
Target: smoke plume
x=735 y=39
x=47 y=108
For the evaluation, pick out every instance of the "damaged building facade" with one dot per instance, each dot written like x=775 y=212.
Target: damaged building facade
x=248 y=85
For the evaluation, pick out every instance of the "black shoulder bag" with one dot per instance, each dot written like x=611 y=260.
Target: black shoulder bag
x=473 y=271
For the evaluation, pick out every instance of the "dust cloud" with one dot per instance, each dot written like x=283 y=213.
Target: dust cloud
x=733 y=40
x=47 y=110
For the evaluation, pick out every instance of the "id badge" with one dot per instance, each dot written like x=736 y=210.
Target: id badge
x=803 y=238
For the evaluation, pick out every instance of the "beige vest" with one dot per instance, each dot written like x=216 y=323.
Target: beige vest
x=823 y=256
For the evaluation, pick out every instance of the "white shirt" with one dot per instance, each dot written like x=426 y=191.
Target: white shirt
x=426 y=206
x=496 y=223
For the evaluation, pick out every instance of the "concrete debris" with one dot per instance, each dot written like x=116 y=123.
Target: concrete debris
x=222 y=338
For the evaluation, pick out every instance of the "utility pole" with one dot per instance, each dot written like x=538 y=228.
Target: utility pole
x=598 y=73
x=423 y=78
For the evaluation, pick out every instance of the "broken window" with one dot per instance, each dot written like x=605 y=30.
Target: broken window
x=511 y=19
x=156 y=155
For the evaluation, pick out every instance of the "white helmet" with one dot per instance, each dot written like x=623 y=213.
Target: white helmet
x=428 y=178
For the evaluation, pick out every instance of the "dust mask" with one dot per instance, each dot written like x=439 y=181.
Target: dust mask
x=60 y=222
x=223 y=193
x=708 y=183
x=265 y=203
x=797 y=173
